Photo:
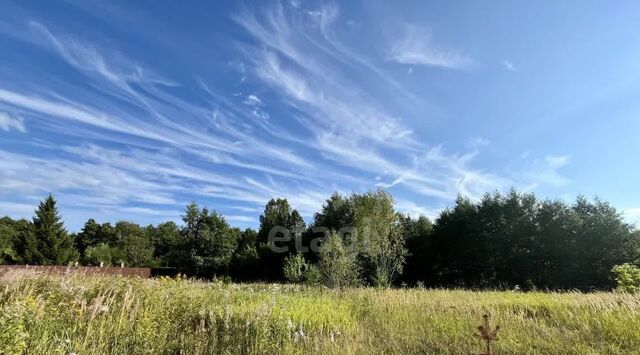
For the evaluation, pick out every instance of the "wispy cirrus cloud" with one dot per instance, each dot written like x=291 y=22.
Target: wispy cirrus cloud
x=534 y=173
x=308 y=115
x=73 y=112
x=118 y=69
x=217 y=132
x=509 y=66
x=346 y=124
x=163 y=117
x=242 y=218
x=9 y=122
x=112 y=180
x=417 y=47
x=557 y=161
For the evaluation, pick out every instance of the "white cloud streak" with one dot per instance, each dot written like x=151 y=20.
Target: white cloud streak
x=417 y=47
x=154 y=150
x=9 y=122
x=415 y=210
x=509 y=66
x=345 y=122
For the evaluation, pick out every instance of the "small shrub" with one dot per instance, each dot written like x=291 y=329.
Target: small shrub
x=627 y=278
x=294 y=268
x=338 y=264
x=312 y=275
x=101 y=254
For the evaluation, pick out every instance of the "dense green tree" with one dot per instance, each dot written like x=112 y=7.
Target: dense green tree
x=124 y=229
x=170 y=248
x=368 y=224
x=54 y=243
x=136 y=251
x=507 y=228
x=221 y=242
x=337 y=212
x=279 y=214
x=192 y=227
x=25 y=242
x=245 y=263
x=458 y=248
x=93 y=234
x=209 y=238
x=109 y=234
x=280 y=234
x=8 y=238
x=88 y=237
x=380 y=242
x=556 y=255
x=248 y=239
x=100 y=254
x=604 y=240
x=417 y=235
x=513 y=239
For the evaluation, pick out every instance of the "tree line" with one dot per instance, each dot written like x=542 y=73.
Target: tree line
x=501 y=241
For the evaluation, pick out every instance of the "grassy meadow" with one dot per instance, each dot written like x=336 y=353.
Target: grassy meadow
x=110 y=314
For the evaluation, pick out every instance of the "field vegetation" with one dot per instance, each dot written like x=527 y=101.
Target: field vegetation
x=109 y=314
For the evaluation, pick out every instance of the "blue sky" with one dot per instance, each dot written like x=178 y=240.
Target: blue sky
x=129 y=110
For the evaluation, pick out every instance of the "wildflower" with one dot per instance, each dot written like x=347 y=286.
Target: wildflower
x=333 y=335
x=299 y=334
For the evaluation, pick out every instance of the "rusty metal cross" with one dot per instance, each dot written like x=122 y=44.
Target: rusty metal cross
x=489 y=335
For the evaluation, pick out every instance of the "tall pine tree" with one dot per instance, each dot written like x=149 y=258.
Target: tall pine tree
x=54 y=244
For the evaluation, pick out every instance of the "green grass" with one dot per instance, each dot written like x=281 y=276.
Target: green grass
x=98 y=315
